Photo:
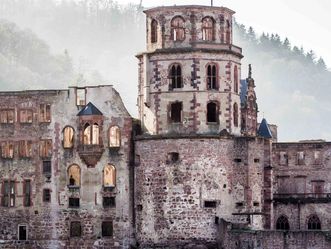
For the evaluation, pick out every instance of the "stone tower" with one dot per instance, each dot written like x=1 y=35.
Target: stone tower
x=189 y=75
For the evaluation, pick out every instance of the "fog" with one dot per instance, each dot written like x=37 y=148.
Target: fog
x=54 y=44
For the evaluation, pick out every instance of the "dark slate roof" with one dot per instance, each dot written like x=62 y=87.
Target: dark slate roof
x=89 y=109
x=243 y=91
x=264 y=130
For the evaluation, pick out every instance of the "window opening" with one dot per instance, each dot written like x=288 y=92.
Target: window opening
x=176 y=76
x=75 y=229
x=107 y=228
x=212 y=112
x=177 y=29
x=282 y=223
x=208 y=29
x=212 y=77
x=22 y=232
x=68 y=137
x=109 y=176
x=176 y=112
x=154 y=31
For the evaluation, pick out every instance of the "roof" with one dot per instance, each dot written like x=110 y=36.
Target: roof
x=89 y=109
x=243 y=91
x=264 y=130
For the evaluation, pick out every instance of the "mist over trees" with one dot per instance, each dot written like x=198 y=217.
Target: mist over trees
x=54 y=44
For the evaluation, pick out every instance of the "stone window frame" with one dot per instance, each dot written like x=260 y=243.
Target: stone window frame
x=118 y=136
x=177 y=28
x=300 y=160
x=236 y=79
x=175 y=77
x=205 y=29
x=18 y=231
x=45 y=113
x=170 y=119
x=45 y=148
x=113 y=169
x=25 y=112
x=71 y=234
x=282 y=223
x=11 y=195
x=7 y=149
x=235 y=115
x=285 y=154
x=92 y=126
x=69 y=176
x=25 y=148
x=78 y=92
x=154 y=29
x=217 y=114
x=209 y=78
x=112 y=228
x=314 y=222
x=27 y=194
x=5 y=112
x=45 y=194
x=67 y=127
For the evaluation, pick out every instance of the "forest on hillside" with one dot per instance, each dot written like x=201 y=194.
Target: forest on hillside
x=53 y=44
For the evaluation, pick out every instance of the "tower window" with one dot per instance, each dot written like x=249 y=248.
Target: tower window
x=212 y=115
x=282 y=223
x=235 y=79
x=75 y=229
x=22 y=232
x=314 y=223
x=212 y=77
x=175 y=76
x=176 y=112
x=177 y=29
x=154 y=31
x=235 y=115
x=208 y=29
x=107 y=228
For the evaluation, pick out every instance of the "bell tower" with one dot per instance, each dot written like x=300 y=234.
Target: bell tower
x=189 y=75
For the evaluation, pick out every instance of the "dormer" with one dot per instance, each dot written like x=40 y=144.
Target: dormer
x=90 y=130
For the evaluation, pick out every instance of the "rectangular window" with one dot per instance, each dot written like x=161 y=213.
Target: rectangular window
x=12 y=194
x=7 y=150
x=46 y=195
x=173 y=157
x=73 y=202
x=5 y=193
x=80 y=96
x=75 y=229
x=25 y=149
x=27 y=193
x=108 y=202
x=7 y=116
x=210 y=204
x=283 y=158
x=22 y=232
x=45 y=148
x=301 y=158
x=47 y=167
x=45 y=113
x=26 y=116
x=317 y=157
x=176 y=112
x=107 y=228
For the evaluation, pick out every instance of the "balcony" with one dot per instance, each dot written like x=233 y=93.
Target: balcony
x=90 y=153
x=294 y=198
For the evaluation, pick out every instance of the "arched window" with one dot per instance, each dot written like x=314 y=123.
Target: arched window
x=212 y=76
x=314 y=223
x=74 y=175
x=208 y=33
x=282 y=223
x=91 y=134
x=109 y=176
x=235 y=79
x=114 y=137
x=235 y=114
x=154 y=31
x=212 y=114
x=177 y=29
x=68 y=137
x=175 y=76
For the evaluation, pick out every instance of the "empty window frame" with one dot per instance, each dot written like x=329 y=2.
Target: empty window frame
x=74 y=175
x=45 y=148
x=75 y=229
x=109 y=176
x=282 y=223
x=8 y=193
x=212 y=76
x=314 y=223
x=114 y=137
x=212 y=112
x=208 y=29
x=80 y=96
x=7 y=149
x=235 y=115
x=7 y=116
x=47 y=167
x=153 y=31
x=45 y=113
x=91 y=134
x=177 y=29
x=176 y=112
x=300 y=157
x=108 y=202
x=27 y=193
x=22 y=232
x=46 y=195
x=25 y=149
x=175 y=76
x=26 y=116
x=317 y=157
x=283 y=158
x=73 y=202
x=235 y=79
x=68 y=137
x=107 y=228
x=210 y=204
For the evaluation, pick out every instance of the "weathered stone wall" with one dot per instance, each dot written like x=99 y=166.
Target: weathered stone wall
x=170 y=197
x=50 y=221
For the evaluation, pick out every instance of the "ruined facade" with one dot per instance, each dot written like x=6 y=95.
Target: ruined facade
x=195 y=171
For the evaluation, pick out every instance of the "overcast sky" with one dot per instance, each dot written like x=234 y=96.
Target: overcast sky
x=304 y=22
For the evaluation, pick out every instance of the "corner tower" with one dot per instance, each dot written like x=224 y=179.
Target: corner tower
x=189 y=75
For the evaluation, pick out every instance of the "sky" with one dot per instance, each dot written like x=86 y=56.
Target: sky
x=305 y=22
